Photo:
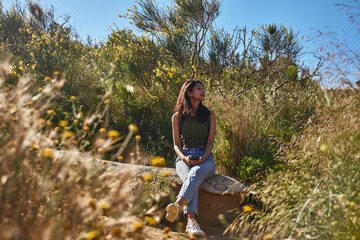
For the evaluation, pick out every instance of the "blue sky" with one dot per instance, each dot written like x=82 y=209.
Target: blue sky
x=95 y=18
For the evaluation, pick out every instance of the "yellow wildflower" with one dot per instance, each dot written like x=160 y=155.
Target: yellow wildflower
x=102 y=130
x=147 y=177
x=99 y=150
x=167 y=229
x=158 y=162
x=104 y=205
x=247 y=208
x=113 y=134
x=268 y=237
x=42 y=121
x=72 y=98
x=138 y=226
x=56 y=73
x=92 y=203
x=47 y=152
x=57 y=129
x=35 y=146
x=48 y=79
x=68 y=134
x=341 y=197
x=120 y=158
x=92 y=235
x=138 y=137
x=63 y=123
x=74 y=142
x=86 y=128
x=150 y=220
x=166 y=173
x=49 y=123
x=40 y=89
x=323 y=147
x=106 y=101
x=12 y=110
x=51 y=112
x=76 y=121
x=133 y=128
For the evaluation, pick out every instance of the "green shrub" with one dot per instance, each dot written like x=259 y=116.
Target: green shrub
x=317 y=193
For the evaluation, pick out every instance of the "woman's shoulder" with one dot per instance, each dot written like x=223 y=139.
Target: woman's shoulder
x=175 y=116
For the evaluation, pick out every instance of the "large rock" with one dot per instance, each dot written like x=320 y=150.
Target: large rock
x=217 y=195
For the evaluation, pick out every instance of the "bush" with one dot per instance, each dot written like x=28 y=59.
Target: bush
x=316 y=194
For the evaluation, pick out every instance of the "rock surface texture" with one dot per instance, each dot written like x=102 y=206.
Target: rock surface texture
x=218 y=196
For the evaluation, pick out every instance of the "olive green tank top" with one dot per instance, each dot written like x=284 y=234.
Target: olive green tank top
x=194 y=133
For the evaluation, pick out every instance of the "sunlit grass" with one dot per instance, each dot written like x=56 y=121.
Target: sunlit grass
x=316 y=195
x=49 y=193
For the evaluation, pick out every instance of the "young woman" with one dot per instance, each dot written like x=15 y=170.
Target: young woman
x=193 y=127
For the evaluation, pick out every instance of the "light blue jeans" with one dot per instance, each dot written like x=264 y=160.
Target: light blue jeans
x=193 y=176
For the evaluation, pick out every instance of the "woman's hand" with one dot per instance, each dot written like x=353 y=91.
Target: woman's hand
x=187 y=160
x=190 y=162
x=201 y=160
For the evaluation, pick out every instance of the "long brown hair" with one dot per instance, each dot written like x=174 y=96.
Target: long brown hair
x=183 y=105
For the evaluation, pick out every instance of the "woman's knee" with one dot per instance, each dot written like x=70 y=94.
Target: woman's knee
x=182 y=170
x=202 y=171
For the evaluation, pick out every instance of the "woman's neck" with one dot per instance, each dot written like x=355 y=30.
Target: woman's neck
x=195 y=106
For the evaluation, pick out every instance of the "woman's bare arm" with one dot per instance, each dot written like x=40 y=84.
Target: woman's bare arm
x=177 y=139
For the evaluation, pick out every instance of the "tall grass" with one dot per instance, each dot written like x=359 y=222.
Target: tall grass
x=316 y=195
x=253 y=130
x=49 y=194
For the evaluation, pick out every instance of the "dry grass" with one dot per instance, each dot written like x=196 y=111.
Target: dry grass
x=48 y=195
x=316 y=195
x=234 y=131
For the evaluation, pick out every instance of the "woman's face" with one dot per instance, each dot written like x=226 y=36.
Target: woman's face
x=197 y=93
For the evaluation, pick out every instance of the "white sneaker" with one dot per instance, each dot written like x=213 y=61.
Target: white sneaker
x=193 y=229
x=173 y=210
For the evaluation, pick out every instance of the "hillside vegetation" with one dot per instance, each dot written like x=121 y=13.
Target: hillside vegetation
x=280 y=129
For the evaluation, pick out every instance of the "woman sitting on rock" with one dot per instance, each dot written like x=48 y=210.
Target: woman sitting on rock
x=193 y=127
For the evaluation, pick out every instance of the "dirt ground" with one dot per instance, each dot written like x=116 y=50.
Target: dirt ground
x=177 y=232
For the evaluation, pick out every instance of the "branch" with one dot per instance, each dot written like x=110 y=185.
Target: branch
x=289 y=78
x=253 y=86
x=252 y=72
